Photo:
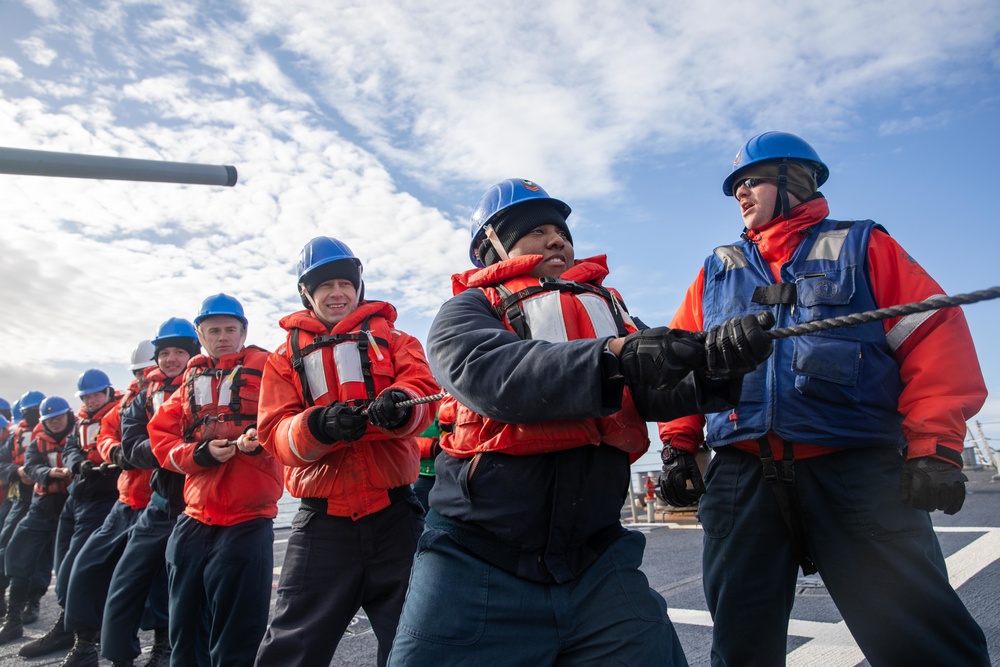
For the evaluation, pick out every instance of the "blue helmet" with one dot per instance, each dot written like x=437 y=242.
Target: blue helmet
x=53 y=406
x=175 y=327
x=15 y=410
x=322 y=250
x=500 y=197
x=776 y=146
x=92 y=381
x=4 y=404
x=221 y=304
x=31 y=399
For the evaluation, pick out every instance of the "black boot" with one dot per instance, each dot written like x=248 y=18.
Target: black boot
x=56 y=639
x=160 y=655
x=84 y=653
x=3 y=601
x=12 y=627
x=31 y=612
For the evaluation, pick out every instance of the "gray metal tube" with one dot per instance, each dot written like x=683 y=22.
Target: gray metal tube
x=72 y=165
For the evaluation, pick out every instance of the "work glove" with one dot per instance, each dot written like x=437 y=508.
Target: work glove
x=680 y=467
x=932 y=484
x=341 y=423
x=660 y=358
x=87 y=470
x=117 y=457
x=738 y=346
x=384 y=413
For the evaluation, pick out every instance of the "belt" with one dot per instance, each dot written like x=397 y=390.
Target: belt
x=396 y=494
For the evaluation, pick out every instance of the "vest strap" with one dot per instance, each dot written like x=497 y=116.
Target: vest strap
x=770 y=295
x=780 y=478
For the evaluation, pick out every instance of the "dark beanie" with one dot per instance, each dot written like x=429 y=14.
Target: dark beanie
x=347 y=269
x=189 y=345
x=513 y=223
x=801 y=179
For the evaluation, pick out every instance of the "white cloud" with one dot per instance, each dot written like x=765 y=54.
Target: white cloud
x=36 y=51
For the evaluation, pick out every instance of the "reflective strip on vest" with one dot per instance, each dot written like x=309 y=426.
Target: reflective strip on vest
x=731 y=256
x=203 y=390
x=347 y=359
x=828 y=245
x=546 y=320
x=545 y=317
x=52 y=458
x=88 y=434
x=315 y=375
x=158 y=398
x=906 y=326
x=600 y=315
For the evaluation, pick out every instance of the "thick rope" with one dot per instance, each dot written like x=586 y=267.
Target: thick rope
x=932 y=303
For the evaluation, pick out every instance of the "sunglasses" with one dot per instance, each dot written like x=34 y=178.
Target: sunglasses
x=751 y=182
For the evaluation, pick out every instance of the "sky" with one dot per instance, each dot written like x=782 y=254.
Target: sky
x=382 y=122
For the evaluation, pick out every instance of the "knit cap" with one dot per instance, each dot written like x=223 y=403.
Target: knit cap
x=513 y=223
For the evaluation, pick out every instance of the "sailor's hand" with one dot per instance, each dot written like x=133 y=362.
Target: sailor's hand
x=248 y=443
x=221 y=450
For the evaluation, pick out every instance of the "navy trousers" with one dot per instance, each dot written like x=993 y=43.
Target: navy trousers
x=333 y=567
x=91 y=574
x=879 y=559
x=77 y=522
x=31 y=545
x=224 y=572
x=137 y=594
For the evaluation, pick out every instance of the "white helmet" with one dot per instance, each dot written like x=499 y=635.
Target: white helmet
x=142 y=356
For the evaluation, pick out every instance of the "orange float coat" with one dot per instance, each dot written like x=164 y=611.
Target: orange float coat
x=51 y=452
x=133 y=485
x=354 y=477
x=217 y=400
x=584 y=314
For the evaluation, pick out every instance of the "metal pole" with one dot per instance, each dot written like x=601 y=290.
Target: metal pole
x=994 y=456
x=71 y=165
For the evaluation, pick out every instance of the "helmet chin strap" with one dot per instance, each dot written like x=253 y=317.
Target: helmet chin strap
x=781 y=205
x=494 y=240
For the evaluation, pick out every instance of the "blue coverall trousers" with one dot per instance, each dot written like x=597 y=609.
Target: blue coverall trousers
x=879 y=559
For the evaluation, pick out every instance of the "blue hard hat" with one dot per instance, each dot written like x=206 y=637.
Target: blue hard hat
x=322 y=250
x=501 y=197
x=4 y=422
x=15 y=410
x=92 y=381
x=4 y=404
x=175 y=327
x=776 y=146
x=221 y=304
x=53 y=406
x=31 y=399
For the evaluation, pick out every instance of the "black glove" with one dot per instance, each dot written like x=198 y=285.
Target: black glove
x=118 y=458
x=738 y=346
x=679 y=467
x=661 y=357
x=338 y=422
x=384 y=413
x=932 y=484
x=87 y=470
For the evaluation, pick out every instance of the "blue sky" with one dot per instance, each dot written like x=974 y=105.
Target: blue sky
x=381 y=123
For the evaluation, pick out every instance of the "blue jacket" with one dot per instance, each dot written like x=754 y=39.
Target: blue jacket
x=837 y=388
x=544 y=517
